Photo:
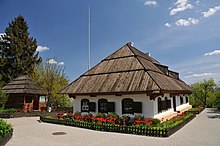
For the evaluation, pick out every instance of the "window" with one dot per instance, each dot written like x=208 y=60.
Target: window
x=181 y=100
x=127 y=106
x=103 y=105
x=84 y=105
x=159 y=103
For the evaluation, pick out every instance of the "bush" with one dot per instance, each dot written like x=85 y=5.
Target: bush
x=100 y=115
x=114 y=115
x=10 y=110
x=154 y=121
x=4 y=128
x=139 y=117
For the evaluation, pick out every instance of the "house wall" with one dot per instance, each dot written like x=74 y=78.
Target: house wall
x=149 y=107
x=147 y=104
x=167 y=114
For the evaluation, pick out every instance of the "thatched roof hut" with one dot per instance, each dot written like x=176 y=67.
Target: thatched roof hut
x=128 y=71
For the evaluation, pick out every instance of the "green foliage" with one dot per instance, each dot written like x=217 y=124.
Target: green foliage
x=138 y=117
x=4 y=128
x=154 y=121
x=114 y=115
x=203 y=92
x=17 y=51
x=53 y=79
x=174 y=121
x=10 y=110
x=217 y=99
x=3 y=98
x=100 y=115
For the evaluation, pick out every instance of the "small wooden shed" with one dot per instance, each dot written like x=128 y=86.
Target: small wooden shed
x=24 y=93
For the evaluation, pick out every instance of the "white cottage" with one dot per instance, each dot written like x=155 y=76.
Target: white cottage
x=130 y=82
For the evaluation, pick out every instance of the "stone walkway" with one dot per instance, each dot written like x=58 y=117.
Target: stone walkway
x=204 y=130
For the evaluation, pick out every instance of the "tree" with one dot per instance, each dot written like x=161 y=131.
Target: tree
x=217 y=99
x=53 y=79
x=203 y=90
x=3 y=96
x=17 y=50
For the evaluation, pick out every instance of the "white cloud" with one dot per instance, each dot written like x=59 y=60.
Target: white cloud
x=52 y=61
x=216 y=52
x=197 y=2
x=150 y=2
x=211 y=11
x=200 y=75
x=167 y=24
x=181 y=5
x=186 y=22
x=41 y=48
x=61 y=63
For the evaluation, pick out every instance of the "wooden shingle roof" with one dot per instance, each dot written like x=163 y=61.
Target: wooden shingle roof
x=24 y=85
x=127 y=70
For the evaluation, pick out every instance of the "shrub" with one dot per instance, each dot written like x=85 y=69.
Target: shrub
x=100 y=115
x=4 y=128
x=139 y=117
x=154 y=121
x=114 y=115
x=10 y=110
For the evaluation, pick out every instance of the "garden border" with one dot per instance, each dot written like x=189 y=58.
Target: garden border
x=6 y=138
x=155 y=132
x=28 y=114
x=196 y=112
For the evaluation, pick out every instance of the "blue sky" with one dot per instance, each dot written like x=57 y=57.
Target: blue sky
x=183 y=34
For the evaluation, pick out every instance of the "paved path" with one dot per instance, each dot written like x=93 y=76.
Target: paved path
x=204 y=130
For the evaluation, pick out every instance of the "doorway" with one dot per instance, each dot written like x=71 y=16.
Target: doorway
x=36 y=103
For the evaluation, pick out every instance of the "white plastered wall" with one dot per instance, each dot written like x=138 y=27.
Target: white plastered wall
x=147 y=104
x=149 y=107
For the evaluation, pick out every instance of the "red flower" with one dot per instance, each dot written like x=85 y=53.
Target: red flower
x=146 y=120
x=149 y=123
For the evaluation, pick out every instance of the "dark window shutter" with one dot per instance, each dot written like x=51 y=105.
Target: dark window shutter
x=137 y=107
x=92 y=106
x=168 y=104
x=187 y=100
x=181 y=100
x=163 y=105
x=111 y=107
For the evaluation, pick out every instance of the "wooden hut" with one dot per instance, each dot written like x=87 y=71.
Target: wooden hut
x=23 y=93
x=130 y=82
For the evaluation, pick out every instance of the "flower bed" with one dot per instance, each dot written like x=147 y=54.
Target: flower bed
x=197 y=110
x=113 y=123
x=6 y=132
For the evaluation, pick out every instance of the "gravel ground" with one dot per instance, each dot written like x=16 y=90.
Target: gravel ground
x=204 y=130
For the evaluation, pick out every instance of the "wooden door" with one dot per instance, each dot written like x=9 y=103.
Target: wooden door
x=36 y=103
